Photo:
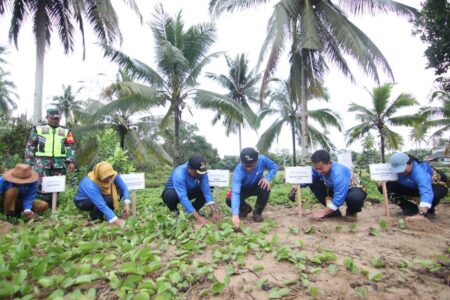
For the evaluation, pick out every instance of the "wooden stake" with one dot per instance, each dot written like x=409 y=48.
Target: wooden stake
x=54 y=199
x=385 y=196
x=299 y=201
x=133 y=202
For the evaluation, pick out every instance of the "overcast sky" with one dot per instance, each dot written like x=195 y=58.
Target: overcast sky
x=236 y=33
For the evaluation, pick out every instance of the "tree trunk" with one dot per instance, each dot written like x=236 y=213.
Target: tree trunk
x=240 y=138
x=176 y=152
x=40 y=54
x=294 y=158
x=303 y=109
x=382 y=146
x=122 y=140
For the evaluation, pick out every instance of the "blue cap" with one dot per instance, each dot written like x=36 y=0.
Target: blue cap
x=398 y=162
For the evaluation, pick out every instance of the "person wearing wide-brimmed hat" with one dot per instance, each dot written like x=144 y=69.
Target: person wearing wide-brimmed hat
x=415 y=179
x=50 y=149
x=99 y=193
x=18 y=187
x=190 y=181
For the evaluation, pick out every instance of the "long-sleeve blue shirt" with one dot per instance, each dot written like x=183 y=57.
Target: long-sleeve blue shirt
x=338 y=180
x=27 y=192
x=243 y=179
x=90 y=190
x=183 y=183
x=419 y=178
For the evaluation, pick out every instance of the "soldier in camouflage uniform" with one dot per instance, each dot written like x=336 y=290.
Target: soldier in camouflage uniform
x=50 y=150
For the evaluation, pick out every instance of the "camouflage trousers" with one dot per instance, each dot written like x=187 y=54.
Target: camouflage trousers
x=48 y=167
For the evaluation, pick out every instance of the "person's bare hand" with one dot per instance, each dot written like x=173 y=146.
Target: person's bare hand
x=119 y=222
x=236 y=221
x=29 y=214
x=264 y=184
x=70 y=167
x=126 y=210
x=320 y=214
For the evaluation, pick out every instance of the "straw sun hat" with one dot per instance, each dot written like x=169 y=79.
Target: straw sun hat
x=21 y=174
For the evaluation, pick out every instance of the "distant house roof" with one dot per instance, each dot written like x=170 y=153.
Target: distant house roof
x=436 y=155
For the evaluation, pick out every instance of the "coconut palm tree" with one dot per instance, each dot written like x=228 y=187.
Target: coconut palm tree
x=380 y=117
x=120 y=113
x=281 y=104
x=181 y=55
x=69 y=105
x=316 y=31
x=241 y=85
x=438 y=116
x=60 y=16
x=7 y=88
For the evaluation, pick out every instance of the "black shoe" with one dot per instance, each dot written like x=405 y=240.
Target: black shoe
x=258 y=218
x=396 y=198
x=12 y=219
x=245 y=210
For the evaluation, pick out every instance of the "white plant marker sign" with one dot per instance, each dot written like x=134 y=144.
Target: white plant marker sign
x=383 y=173
x=297 y=176
x=344 y=157
x=54 y=185
x=134 y=181
x=218 y=179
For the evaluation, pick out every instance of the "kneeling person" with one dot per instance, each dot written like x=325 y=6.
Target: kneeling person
x=337 y=184
x=18 y=188
x=99 y=193
x=415 y=179
x=248 y=180
x=190 y=181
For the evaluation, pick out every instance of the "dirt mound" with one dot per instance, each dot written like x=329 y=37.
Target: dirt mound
x=5 y=227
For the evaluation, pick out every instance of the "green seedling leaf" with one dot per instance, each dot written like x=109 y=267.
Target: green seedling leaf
x=217 y=288
x=309 y=230
x=58 y=294
x=315 y=270
x=338 y=228
x=373 y=231
x=277 y=293
x=352 y=228
x=7 y=289
x=294 y=229
x=260 y=282
x=332 y=269
x=259 y=255
x=40 y=269
x=377 y=262
x=361 y=292
x=403 y=264
x=377 y=276
x=383 y=224
x=300 y=244
x=314 y=291
x=350 y=265
x=258 y=267
x=401 y=224
x=153 y=266
x=175 y=277
x=275 y=239
x=20 y=277
x=142 y=296
x=230 y=270
x=82 y=279
x=290 y=282
x=46 y=281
